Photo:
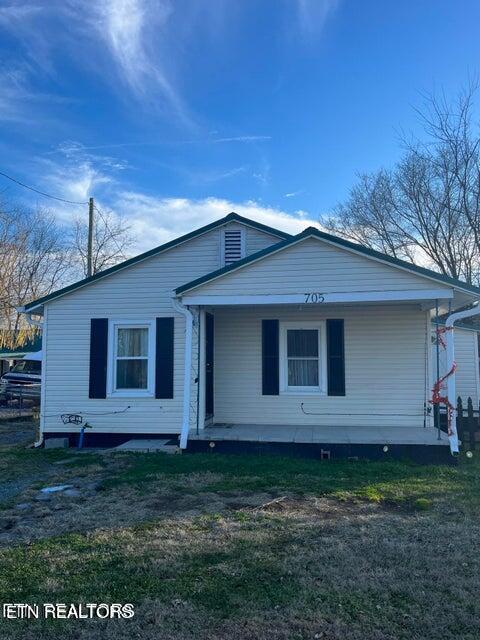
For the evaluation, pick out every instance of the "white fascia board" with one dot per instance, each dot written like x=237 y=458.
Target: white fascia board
x=390 y=264
x=252 y=226
x=147 y=257
x=319 y=298
x=378 y=259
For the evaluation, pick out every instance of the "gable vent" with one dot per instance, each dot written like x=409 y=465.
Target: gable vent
x=232 y=246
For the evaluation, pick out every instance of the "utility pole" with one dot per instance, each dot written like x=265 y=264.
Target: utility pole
x=90 y=238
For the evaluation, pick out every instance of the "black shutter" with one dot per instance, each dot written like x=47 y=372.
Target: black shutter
x=164 y=358
x=336 y=358
x=270 y=373
x=97 y=387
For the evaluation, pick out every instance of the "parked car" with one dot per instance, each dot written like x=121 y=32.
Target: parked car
x=23 y=381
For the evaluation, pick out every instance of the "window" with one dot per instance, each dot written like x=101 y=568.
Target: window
x=233 y=246
x=131 y=361
x=302 y=357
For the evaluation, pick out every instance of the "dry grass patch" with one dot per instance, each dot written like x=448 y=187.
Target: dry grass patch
x=212 y=547
x=296 y=574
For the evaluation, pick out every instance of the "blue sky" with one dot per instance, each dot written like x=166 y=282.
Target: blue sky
x=174 y=112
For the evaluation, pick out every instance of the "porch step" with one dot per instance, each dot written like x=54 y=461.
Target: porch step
x=153 y=445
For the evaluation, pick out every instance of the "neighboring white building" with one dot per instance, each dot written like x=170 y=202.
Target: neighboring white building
x=466 y=358
x=243 y=325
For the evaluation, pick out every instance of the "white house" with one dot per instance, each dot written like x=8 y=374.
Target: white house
x=467 y=359
x=240 y=333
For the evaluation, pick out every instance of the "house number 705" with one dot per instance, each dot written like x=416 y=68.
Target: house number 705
x=314 y=297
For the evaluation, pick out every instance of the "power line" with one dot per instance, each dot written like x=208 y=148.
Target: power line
x=48 y=195
x=42 y=193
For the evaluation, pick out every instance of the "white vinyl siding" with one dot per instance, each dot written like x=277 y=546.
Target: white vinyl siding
x=384 y=344
x=314 y=265
x=466 y=357
x=138 y=294
x=384 y=368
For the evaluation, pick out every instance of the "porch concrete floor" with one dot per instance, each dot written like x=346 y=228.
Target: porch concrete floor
x=330 y=435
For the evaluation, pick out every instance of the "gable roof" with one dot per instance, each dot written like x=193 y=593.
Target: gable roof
x=231 y=217
x=335 y=240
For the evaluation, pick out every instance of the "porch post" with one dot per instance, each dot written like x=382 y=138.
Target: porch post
x=436 y=407
x=429 y=410
x=451 y=390
x=185 y=311
x=201 y=372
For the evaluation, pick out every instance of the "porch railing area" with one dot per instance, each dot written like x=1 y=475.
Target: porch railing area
x=468 y=423
x=19 y=400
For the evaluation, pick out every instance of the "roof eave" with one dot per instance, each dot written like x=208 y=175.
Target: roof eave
x=254 y=257
x=347 y=245
x=231 y=217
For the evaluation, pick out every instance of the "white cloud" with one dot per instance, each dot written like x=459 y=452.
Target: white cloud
x=77 y=153
x=312 y=16
x=133 y=34
x=26 y=23
x=262 y=173
x=80 y=181
x=144 y=43
x=12 y=93
x=158 y=220
x=154 y=220
x=133 y=31
x=18 y=99
x=22 y=68
x=204 y=176
x=242 y=139
x=78 y=146
x=15 y=13
x=76 y=177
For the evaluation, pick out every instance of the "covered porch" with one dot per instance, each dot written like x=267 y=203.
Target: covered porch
x=313 y=345
x=382 y=411
x=339 y=434
x=342 y=442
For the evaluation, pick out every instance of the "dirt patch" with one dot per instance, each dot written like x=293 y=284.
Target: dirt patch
x=89 y=508
x=16 y=431
x=292 y=504
x=95 y=503
x=9 y=490
x=35 y=515
x=96 y=510
x=214 y=550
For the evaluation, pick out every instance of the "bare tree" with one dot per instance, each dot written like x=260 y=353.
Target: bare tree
x=427 y=208
x=38 y=256
x=34 y=260
x=111 y=239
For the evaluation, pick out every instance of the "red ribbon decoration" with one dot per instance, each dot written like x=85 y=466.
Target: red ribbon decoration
x=437 y=397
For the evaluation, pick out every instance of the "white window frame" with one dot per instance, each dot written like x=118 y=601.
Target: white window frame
x=113 y=327
x=222 y=244
x=320 y=326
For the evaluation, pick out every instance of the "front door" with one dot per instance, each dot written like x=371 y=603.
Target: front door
x=209 y=351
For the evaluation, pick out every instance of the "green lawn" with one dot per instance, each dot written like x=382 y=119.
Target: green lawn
x=212 y=546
